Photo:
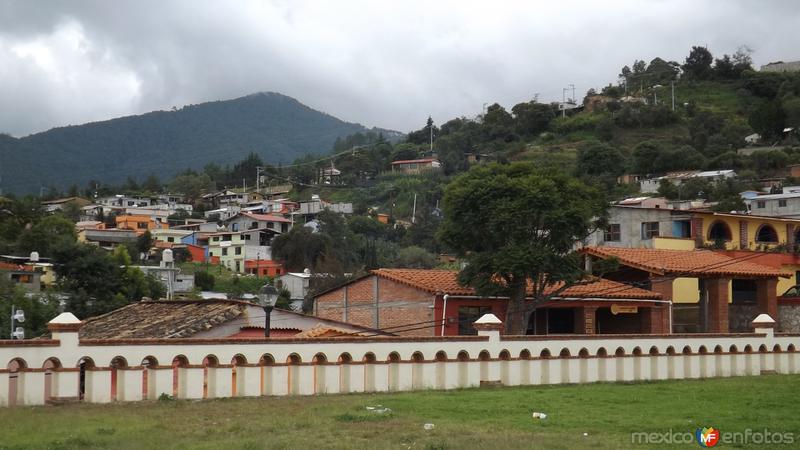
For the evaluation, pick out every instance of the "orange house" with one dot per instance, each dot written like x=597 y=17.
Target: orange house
x=139 y=223
x=263 y=267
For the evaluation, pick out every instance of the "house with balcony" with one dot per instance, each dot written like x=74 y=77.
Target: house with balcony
x=139 y=223
x=245 y=221
x=415 y=166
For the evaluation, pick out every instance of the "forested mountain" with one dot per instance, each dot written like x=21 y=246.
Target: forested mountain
x=276 y=127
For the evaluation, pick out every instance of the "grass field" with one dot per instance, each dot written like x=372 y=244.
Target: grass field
x=496 y=418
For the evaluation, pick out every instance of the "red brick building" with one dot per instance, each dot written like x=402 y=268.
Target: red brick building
x=432 y=303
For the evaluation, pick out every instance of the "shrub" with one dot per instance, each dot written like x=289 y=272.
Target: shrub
x=204 y=281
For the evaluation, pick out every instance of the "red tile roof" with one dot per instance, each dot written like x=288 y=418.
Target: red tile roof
x=14 y=267
x=267 y=217
x=446 y=282
x=685 y=262
x=408 y=161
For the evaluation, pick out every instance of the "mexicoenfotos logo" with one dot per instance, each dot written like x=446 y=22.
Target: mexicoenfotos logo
x=707 y=437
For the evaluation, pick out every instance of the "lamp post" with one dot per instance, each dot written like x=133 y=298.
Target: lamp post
x=17 y=315
x=267 y=297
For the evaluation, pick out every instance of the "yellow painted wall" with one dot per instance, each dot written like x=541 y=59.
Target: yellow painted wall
x=685 y=290
x=668 y=243
x=785 y=283
x=753 y=225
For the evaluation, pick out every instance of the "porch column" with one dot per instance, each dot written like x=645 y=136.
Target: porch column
x=767 y=296
x=790 y=235
x=717 y=304
x=697 y=231
x=744 y=244
x=585 y=319
x=657 y=318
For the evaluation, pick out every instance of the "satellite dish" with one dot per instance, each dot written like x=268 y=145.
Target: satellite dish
x=34 y=257
x=167 y=256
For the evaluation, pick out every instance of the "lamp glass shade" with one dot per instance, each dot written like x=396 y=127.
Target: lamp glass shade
x=267 y=295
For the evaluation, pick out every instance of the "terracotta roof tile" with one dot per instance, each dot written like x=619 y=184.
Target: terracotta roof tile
x=161 y=319
x=446 y=282
x=685 y=262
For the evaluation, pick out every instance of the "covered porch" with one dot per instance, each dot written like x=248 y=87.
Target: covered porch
x=724 y=284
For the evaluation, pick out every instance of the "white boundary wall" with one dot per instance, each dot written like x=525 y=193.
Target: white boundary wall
x=133 y=370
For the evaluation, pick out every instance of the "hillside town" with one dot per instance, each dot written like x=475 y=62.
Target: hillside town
x=603 y=254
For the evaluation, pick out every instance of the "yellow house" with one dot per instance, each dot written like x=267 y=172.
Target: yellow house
x=743 y=232
x=228 y=246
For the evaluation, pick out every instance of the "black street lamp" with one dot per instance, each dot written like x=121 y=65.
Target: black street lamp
x=267 y=297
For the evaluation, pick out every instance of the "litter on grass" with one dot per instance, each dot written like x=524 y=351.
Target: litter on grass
x=428 y=426
x=379 y=409
x=539 y=415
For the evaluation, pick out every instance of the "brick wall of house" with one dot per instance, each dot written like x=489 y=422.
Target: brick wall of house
x=398 y=304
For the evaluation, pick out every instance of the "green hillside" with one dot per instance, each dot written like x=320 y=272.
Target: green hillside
x=161 y=143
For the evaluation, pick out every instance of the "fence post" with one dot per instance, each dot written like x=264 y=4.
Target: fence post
x=764 y=324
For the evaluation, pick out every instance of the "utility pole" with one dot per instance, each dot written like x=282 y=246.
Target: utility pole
x=672 y=83
x=431 y=130
x=414 y=210
x=259 y=170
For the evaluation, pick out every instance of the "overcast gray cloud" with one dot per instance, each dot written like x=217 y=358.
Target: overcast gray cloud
x=378 y=63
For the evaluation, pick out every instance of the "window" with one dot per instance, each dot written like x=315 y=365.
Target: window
x=246 y=237
x=612 y=233
x=238 y=250
x=225 y=251
x=467 y=315
x=782 y=203
x=743 y=291
x=767 y=234
x=761 y=204
x=215 y=239
x=649 y=230
x=141 y=225
x=170 y=239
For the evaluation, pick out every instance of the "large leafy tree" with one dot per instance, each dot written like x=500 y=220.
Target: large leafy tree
x=516 y=227
x=698 y=64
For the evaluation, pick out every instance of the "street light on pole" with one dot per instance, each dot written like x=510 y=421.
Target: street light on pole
x=267 y=297
x=17 y=315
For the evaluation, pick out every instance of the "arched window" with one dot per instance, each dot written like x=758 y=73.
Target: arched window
x=719 y=231
x=767 y=234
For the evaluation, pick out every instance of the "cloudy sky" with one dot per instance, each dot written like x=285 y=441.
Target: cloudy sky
x=380 y=63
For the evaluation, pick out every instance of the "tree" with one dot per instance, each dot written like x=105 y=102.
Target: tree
x=498 y=123
x=515 y=226
x=768 y=119
x=47 y=233
x=415 y=258
x=600 y=159
x=532 y=118
x=698 y=64
x=192 y=185
x=90 y=277
x=301 y=248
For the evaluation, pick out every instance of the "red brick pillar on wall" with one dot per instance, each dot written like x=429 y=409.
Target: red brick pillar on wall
x=697 y=231
x=656 y=319
x=585 y=319
x=717 y=304
x=790 y=235
x=767 y=297
x=743 y=243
